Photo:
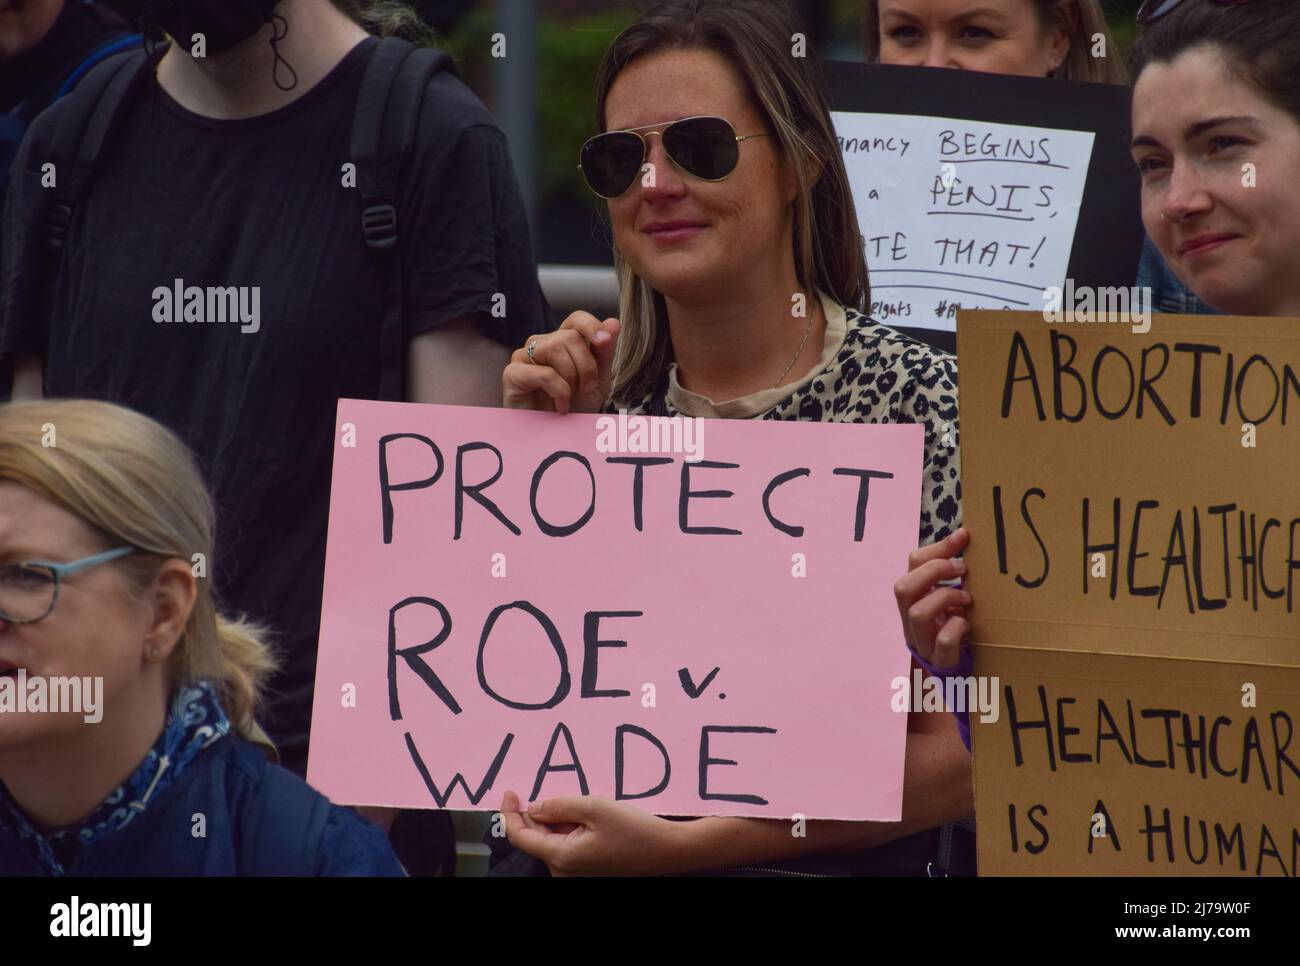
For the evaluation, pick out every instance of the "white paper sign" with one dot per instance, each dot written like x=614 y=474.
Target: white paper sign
x=962 y=214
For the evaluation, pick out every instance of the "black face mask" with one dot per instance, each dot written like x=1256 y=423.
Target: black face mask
x=223 y=23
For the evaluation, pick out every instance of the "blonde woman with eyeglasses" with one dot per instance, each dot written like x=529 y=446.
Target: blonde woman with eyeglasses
x=128 y=744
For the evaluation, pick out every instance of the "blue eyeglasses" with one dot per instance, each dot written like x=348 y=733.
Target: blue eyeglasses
x=29 y=590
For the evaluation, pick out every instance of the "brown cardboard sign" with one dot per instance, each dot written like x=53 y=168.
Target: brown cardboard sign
x=1103 y=764
x=1133 y=497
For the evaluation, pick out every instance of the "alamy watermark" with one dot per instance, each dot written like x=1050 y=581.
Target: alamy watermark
x=218 y=304
x=645 y=434
x=75 y=919
x=20 y=694
x=1082 y=304
x=970 y=693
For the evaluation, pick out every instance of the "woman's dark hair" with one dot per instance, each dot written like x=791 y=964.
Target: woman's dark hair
x=1259 y=41
x=763 y=40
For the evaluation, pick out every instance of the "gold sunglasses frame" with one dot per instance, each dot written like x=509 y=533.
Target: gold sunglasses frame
x=645 y=148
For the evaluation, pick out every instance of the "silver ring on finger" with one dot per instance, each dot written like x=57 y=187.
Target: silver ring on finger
x=532 y=345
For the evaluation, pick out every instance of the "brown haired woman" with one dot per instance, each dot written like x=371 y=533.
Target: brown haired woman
x=730 y=210
x=1216 y=95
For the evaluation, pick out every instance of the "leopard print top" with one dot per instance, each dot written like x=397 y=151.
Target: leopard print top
x=881 y=375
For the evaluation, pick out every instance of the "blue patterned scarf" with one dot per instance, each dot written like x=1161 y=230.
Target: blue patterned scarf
x=195 y=721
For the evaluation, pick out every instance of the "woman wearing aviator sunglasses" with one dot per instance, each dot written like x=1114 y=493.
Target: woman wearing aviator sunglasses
x=742 y=274
x=99 y=540
x=1217 y=97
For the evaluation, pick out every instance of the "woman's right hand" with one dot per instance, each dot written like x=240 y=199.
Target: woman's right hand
x=569 y=370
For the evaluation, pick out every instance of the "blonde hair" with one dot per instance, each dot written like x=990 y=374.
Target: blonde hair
x=754 y=35
x=134 y=482
x=1082 y=20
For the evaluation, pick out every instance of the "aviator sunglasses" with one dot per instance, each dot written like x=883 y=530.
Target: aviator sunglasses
x=1153 y=10
x=707 y=148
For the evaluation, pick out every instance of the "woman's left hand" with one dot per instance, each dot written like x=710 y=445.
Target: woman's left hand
x=934 y=615
x=587 y=835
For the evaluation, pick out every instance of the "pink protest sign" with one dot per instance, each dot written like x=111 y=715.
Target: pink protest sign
x=695 y=616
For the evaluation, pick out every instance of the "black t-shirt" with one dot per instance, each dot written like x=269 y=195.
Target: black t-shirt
x=260 y=204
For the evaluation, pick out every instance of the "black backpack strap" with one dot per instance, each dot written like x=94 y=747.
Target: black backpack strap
x=105 y=51
x=282 y=827
x=383 y=130
x=87 y=121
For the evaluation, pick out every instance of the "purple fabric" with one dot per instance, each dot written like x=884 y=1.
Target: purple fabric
x=964 y=667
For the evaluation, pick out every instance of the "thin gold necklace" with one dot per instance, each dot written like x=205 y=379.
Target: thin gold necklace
x=806 y=332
